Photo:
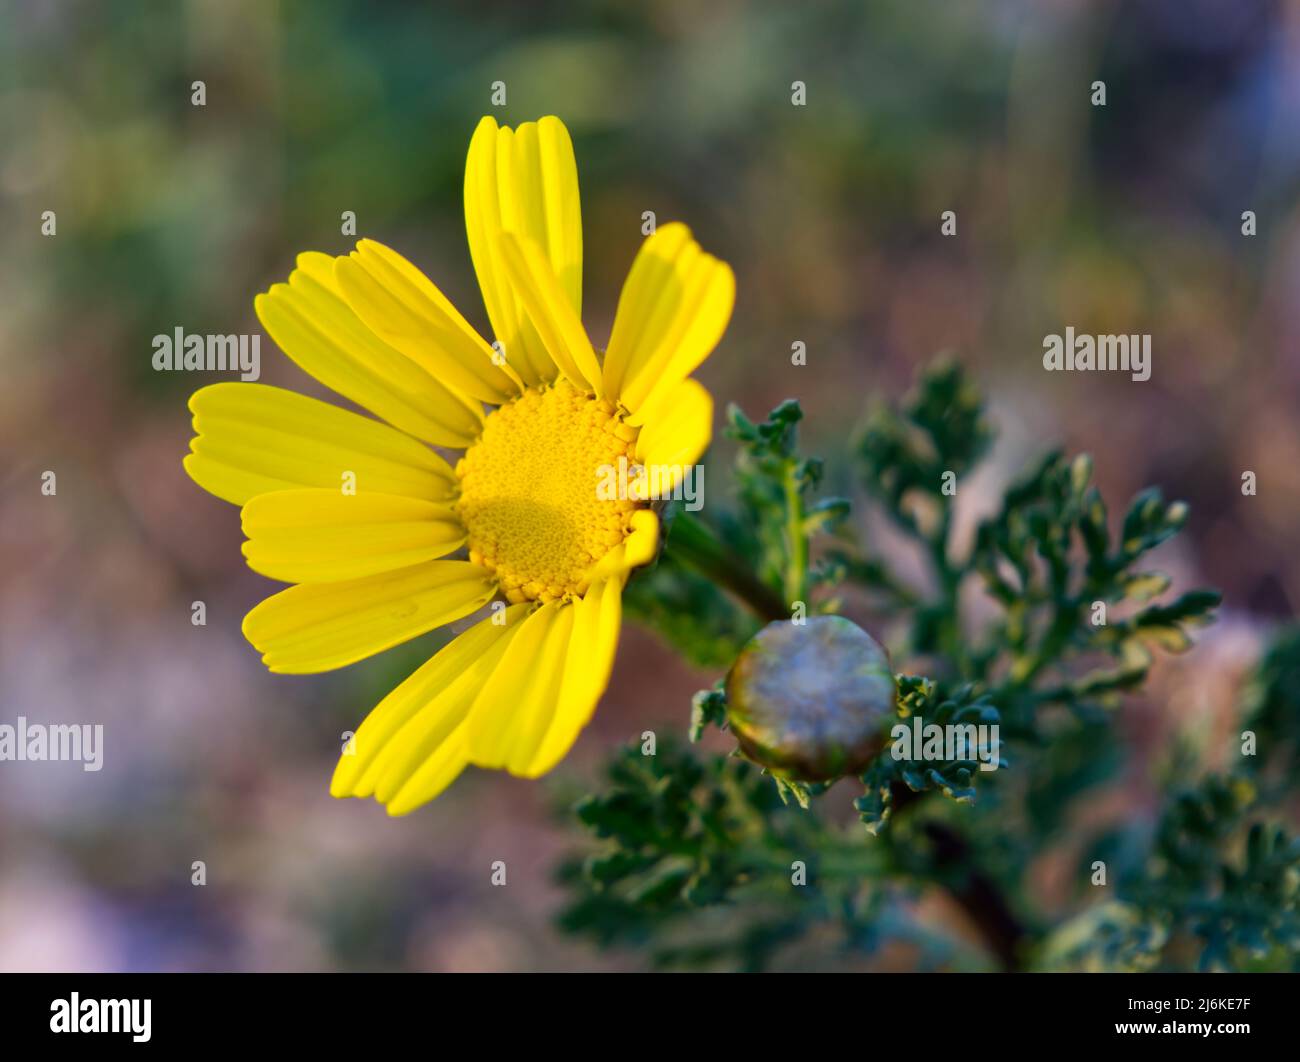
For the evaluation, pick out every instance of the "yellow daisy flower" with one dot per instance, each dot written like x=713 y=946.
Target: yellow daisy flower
x=364 y=517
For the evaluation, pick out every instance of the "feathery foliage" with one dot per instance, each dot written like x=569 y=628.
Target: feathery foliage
x=701 y=858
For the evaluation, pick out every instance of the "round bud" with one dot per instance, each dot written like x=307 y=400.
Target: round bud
x=811 y=701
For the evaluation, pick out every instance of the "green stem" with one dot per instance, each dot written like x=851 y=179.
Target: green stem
x=693 y=543
x=953 y=867
x=949 y=636
x=796 y=573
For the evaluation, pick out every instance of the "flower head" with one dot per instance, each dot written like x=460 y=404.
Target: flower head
x=811 y=700
x=384 y=539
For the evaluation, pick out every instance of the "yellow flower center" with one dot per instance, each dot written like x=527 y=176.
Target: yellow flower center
x=531 y=492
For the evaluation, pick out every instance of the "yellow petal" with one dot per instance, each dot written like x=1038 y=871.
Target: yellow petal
x=640 y=547
x=318 y=627
x=554 y=318
x=651 y=270
x=253 y=438
x=312 y=324
x=438 y=770
x=524 y=181
x=404 y=308
x=516 y=701
x=674 y=307
x=536 y=709
x=677 y=432
x=423 y=735
x=586 y=671
x=424 y=696
x=643 y=542
x=320 y=536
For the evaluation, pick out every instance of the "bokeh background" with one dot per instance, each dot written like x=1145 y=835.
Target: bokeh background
x=1116 y=219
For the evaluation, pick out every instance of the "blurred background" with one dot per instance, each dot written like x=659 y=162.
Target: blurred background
x=1125 y=218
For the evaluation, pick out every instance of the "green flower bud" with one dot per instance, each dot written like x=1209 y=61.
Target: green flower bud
x=811 y=701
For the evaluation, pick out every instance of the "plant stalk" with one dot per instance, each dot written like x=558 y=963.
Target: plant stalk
x=693 y=543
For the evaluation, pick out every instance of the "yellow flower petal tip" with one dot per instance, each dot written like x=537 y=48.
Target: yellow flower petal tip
x=530 y=530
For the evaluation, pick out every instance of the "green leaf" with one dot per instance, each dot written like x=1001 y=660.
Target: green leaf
x=921 y=697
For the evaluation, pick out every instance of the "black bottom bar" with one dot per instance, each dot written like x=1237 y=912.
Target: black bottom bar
x=380 y=1011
